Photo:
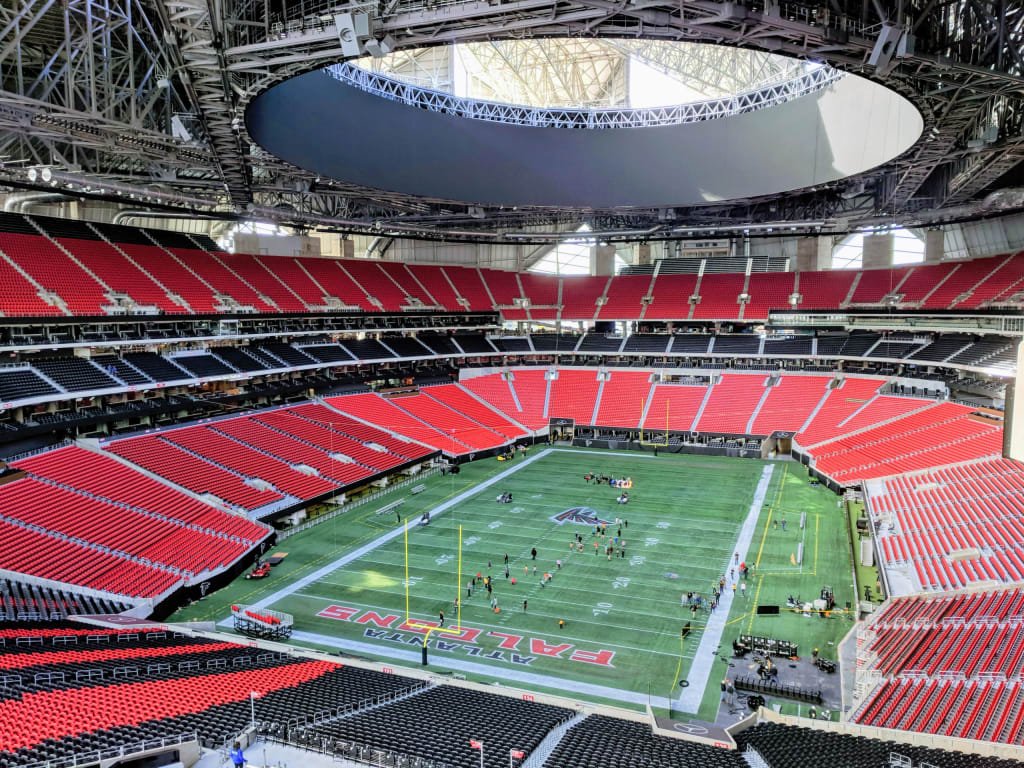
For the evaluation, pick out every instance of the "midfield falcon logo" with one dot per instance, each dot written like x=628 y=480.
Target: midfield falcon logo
x=579 y=516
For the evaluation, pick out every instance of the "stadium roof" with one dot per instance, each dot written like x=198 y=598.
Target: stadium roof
x=149 y=99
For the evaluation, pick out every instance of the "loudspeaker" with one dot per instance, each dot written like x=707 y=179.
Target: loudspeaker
x=1013 y=426
x=352 y=28
x=767 y=610
x=885 y=48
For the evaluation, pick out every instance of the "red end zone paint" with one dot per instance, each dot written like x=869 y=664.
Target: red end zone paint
x=506 y=641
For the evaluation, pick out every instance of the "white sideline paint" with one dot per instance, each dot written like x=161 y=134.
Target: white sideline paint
x=441 y=659
x=295 y=586
x=689 y=700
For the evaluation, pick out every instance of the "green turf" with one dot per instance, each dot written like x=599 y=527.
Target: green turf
x=684 y=516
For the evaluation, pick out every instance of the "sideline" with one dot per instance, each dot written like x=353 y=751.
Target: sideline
x=711 y=639
x=439 y=659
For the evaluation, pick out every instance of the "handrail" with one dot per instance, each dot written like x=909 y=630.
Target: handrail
x=100 y=755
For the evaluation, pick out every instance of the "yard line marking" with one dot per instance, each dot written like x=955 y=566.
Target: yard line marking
x=472 y=606
x=757 y=563
x=817 y=518
x=711 y=638
x=527 y=632
x=385 y=538
x=438 y=659
x=753 y=608
x=603 y=453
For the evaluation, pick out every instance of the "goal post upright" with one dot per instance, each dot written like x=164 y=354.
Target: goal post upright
x=458 y=585
x=406 y=536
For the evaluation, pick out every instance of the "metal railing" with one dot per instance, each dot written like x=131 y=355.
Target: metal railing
x=356 y=752
x=764 y=96
x=102 y=755
x=357 y=503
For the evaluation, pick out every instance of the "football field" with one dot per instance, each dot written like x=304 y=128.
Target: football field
x=605 y=629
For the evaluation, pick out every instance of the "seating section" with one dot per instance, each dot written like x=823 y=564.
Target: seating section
x=19 y=296
x=953 y=527
x=372 y=278
x=44 y=261
x=732 y=402
x=504 y=288
x=599 y=741
x=220 y=278
x=824 y=290
x=625 y=299
x=162 y=458
x=114 y=529
x=875 y=284
x=75 y=374
x=339 y=423
x=103 y=477
x=943 y=433
x=244 y=461
x=999 y=284
x=175 y=274
x=176 y=686
x=719 y=297
x=21 y=602
x=291 y=274
x=922 y=280
x=579 y=300
x=434 y=281
x=950 y=666
x=474 y=343
x=470 y=287
x=768 y=291
x=438 y=724
x=105 y=688
x=415 y=292
x=329 y=274
x=452 y=424
x=458 y=399
x=498 y=392
x=623 y=399
x=22 y=384
x=883 y=408
x=790 y=403
x=256 y=274
x=121 y=274
x=305 y=423
x=573 y=395
x=172 y=275
x=292 y=451
x=157 y=367
x=30 y=552
x=782 y=746
x=118 y=368
x=386 y=414
x=670 y=296
x=674 y=407
x=842 y=402
x=201 y=366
